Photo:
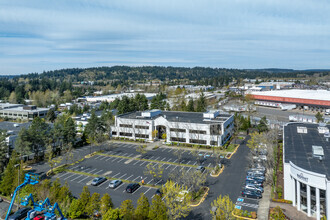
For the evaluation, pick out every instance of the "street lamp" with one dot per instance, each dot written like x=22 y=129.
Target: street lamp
x=18 y=165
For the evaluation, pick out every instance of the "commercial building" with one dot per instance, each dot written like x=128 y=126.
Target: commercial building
x=24 y=112
x=210 y=128
x=12 y=129
x=306 y=158
x=111 y=98
x=313 y=98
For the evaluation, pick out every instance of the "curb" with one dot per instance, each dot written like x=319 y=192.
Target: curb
x=223 y=167
x=233 y=152
x=241 y=217
x=203 y=198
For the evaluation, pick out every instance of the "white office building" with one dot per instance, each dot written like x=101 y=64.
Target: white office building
x=306 y=157
x=210 y=128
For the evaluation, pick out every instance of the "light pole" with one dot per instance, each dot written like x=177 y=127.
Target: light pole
x=18 y=165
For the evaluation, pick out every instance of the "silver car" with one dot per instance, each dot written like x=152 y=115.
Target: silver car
x=254 y=188
x=114 y=183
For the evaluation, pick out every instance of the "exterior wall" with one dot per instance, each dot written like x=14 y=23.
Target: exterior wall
x=292 y=100
x=25 y=115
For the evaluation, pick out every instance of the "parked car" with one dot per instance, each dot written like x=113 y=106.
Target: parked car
x=260 y=176
x=114 y=183
x=39 y=217
x=98 y=181
x=254 y=173
x=253 y=182
x=132 y=187
x=251 y=178
x=251 y=194
x=20 y=214
x=159 y=192
x=254 y=188
x=200 y=168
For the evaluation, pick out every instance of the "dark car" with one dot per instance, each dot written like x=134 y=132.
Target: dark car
x=132 y=187
x=200 y=168
x=251 y=194
x=20 y=214
x=159 y=192
x=98 y=181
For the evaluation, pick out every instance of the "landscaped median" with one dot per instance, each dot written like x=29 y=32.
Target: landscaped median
x=201 y=197
x=240 y=214
x=217 y=174
x=233 y=152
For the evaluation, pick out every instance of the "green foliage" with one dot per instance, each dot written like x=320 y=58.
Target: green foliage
x=201 y=104
x=3 y=150
x=224 y=208
x=277 y=213
x=127 y=104
x=319 y=117
x=158 y=102
x=262 y=126
x=94 y=204
x=106 y=204
x=51 y=115
x=142 y=209
x=190 y=106
x=75 y=209
x=156 y=172
x=157 y=209
x=85 y=197
x=112 y=214
x=127 y=210
x=95 y=129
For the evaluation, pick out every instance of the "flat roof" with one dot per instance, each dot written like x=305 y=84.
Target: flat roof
x=298 y=148
x=297 y=93
x=20 y=109
x=174 y=116
x=9 y=126
x=9 y=105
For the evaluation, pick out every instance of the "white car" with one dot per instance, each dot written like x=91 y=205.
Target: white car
x=254 y=188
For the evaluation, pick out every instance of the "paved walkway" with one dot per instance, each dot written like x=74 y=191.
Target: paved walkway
x=264 y=203
x=290 y=211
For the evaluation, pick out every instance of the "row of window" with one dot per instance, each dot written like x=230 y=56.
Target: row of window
x=184 y=130
x=130 y=134
x=131 y=126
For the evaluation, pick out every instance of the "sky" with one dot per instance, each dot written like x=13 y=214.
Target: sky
x=41 y=35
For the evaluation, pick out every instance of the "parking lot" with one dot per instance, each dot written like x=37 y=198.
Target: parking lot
x=117 y=162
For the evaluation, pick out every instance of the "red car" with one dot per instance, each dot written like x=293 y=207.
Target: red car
x=39 y=217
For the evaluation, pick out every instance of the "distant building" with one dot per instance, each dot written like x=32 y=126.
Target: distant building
x=210 y=128
x=111 y=98
x=306 y=159
x=19 y=111
x=12 y=130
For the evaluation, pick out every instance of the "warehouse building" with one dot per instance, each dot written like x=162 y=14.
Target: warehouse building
x=319 y=99
x=210 y=128
x=306 y=158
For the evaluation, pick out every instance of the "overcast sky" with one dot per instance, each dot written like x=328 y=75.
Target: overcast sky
x=46 y=35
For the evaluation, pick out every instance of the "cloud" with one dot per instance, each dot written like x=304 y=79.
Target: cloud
x=42 y=35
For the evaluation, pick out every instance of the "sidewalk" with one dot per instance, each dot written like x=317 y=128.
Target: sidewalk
x=290 y=211
x=264 y=203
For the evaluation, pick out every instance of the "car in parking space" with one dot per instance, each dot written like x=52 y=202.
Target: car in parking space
x=20 y=214
x=200 y=168
x=251 y=194
x=254 y=188
x=98 y=180
x=251 y=178
x=132 y=187
x=114 y=183
x=257 y=176
x=159 y=192
x=253 y=182
x=39 y=217
x=254 y=172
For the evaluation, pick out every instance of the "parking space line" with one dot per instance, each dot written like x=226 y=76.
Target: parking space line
x=155 y=164
x=151 y=157
x=169 y=160
x=63 y=175
x=102 y=183
x=163 y=159
x=171 y=150
x=75 y=167
x=92 y=170
x=188 y=170
x=75 y=178
x=163 y=149
x=124 y=154
x=103 y=157
x=116 y=159
x=129 y=177
x=115 y=175
x=147 y=190
x=119 y=186
x=182 y=168
x=69 y=176
x=136 y=178
x=143 y=163
x=109 y=158
x=122 y=159
x=137 y=189
x=83 y=179
x=122 y=176
x=157 y=158
x=158 y=182
x=150 y=181
x=98 y=172
x=168 y=166
x=98 y=157
x=209 y=165
x=175 y=161
x=136 y=162
x=194 y=163
x=174 y=167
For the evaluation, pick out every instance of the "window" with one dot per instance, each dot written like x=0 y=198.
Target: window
x=114 y=133
x=197 y=132
x=142 y=135
x=195 y=141
x=125 y=134
x=178 y=139
x=215 y=129
x=214 y=143
x=125 y=126
x=141 y=127
x=177 y=130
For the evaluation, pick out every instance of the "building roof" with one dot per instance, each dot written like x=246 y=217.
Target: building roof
x=174 y=116
x=297 y=93
x=9 y=126
x=20 y=109
x=298 y=147
x=9 y=105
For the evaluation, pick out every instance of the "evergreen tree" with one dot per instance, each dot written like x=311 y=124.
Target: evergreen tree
x=127 y=210
x=190 y=106
x=262 y=126
x=224 y=207
x=7 y=186
x=112 y=214
x=157 y=209
x=51 y=115
x=319 y=117
x=201 y=104
x=183 y=106
x=106 y=204
x=94 y=204
x=85 y=197
x=3 y=150
x=75 y=209
x=55 y=191
x=142 y=209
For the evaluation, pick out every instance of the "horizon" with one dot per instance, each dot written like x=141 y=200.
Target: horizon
x=41 y=35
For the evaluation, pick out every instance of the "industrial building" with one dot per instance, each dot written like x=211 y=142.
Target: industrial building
x=111 y=98
x=23 y=112
x=210 y=128
x=318 y=99
x=306 y=158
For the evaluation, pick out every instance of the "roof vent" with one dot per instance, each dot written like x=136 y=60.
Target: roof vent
x=301 y=130
x=211 y=114
x=151 y=113
x=318 y=152
x=323 y=130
